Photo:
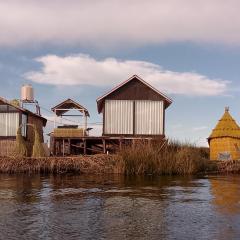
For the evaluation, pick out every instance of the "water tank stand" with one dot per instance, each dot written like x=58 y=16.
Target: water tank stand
x=35 y=103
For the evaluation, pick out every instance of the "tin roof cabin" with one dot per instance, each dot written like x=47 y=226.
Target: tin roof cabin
x=12 y=116
x=134 y=109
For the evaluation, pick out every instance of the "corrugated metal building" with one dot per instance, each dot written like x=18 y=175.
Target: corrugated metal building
x=13 y=116
x=134 y=108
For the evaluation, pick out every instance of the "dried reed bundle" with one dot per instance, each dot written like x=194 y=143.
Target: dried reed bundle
x=38 y=150
x=21 y=146
x=69 y=132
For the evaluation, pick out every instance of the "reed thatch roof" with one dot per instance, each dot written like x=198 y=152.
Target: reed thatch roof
x=68 y=132
x=226 y=127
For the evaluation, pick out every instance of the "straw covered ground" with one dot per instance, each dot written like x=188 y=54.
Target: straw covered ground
x=83 y=164
x=143 y=159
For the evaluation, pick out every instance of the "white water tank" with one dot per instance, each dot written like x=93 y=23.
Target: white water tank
x=27 y=93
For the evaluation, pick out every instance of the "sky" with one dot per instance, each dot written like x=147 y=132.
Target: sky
x=80 y=49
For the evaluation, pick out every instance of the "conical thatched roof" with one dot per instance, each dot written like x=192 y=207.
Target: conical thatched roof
x=226 y=127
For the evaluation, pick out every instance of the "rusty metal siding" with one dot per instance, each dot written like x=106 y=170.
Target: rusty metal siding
x=9 y=123
x=149 y=117
x=118 y=117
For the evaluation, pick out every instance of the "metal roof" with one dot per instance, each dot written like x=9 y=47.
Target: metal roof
x=168 y=100
x=5 y=101
x=67 y=105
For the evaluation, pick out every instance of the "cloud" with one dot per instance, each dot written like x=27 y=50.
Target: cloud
x=201 y=128
x=83 y=69
x=112 y=22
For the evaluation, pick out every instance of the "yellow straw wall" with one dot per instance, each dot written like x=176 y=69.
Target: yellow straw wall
x=223 y=145
x=225 y=138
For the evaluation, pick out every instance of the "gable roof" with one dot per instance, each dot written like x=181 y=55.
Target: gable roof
x=226 y=127
x=5 y=101
x=168 y=100
x=67 y=105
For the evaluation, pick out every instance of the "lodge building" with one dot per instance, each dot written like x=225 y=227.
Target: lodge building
x=132 y=110
x=12 y=116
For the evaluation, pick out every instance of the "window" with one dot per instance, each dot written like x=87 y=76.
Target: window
x=9 y=123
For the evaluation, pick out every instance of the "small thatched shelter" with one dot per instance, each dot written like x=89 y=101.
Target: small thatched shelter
x=224 y=141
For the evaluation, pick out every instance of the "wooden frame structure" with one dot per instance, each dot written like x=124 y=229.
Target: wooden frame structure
x=68 y=105
x=134 y=90
x=67 y=140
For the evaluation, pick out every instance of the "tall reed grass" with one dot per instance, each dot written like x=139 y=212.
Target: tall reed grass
x=172 y=159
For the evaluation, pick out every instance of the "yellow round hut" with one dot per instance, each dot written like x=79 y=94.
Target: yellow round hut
x=224 y=141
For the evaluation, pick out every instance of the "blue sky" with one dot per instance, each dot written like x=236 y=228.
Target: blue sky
x=189 y=51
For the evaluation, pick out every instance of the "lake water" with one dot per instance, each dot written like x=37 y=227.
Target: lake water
x=116 y=207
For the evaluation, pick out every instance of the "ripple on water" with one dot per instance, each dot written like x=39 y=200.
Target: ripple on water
x=114 y=207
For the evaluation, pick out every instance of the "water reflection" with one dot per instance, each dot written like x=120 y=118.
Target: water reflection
x=226 y=193
x=116 y=207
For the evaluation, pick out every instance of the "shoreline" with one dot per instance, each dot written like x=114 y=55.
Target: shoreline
x=100 y=163
x=94 y=164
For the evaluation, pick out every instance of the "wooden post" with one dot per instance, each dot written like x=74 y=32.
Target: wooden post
x=55 y=116
x=85 y=122
x=69 y=146
x=63 y=148
x=149 y=142
x=120 y=144
x=133 y=143
x=104 y=146
x=54 y=146
x=84 y=147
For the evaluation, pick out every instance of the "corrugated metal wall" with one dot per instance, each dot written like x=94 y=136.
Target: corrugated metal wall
x=9 y=123
x=149 y=117
x=118 y=117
